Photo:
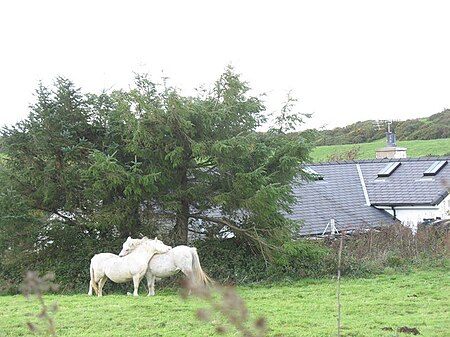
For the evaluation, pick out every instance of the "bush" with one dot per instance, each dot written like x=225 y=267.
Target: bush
x=301 y=258
x=396 y=246
x=63 y=250
x=241 y=263
x=231 y=260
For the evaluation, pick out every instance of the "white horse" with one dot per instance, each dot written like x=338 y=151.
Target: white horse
x=179 y=258
x=121 y=268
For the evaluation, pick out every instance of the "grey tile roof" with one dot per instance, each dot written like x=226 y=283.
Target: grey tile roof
x=340 y=194
x=407 y=185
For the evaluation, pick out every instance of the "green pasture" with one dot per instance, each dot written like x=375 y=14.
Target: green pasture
x=415 y=149
x=373 y=307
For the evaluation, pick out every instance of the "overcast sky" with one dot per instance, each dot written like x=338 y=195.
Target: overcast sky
x=344 y=61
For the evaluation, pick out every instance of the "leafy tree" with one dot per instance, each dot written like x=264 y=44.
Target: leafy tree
x=88 y=170
x=40 y=176
x=45 y=152
x=199 y=162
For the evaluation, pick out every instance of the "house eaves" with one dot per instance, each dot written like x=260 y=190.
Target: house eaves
x=435 y=202
x=402 y=204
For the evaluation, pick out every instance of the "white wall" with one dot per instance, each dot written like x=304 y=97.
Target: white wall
x=444 y=207
x=412 y=215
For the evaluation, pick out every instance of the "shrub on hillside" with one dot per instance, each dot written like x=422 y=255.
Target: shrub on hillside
x=350 y=154
x=434 y=127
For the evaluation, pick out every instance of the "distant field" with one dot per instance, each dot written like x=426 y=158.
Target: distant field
x=415 y=149
x=375 y=307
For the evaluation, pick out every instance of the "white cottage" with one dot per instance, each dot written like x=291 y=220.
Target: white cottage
x=370 y=193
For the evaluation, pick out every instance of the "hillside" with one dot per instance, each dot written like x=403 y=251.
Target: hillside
x=436 y=126
x=415 y=149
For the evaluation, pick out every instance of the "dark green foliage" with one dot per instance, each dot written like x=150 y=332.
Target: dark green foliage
x=46 y=212
x=18 y=232
x=183 y=156
x=302 y=258
x=359 y=132
x=232 y=261
x=46 y=152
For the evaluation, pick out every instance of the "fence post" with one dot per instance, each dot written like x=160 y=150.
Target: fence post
x=339 y=286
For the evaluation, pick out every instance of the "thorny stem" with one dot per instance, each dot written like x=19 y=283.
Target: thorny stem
x=230 y=306
x=34 y=285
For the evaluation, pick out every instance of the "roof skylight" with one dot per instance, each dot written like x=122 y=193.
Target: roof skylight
x=435 y=168
x=388 y=169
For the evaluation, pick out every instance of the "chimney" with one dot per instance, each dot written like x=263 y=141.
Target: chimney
x=391 y=150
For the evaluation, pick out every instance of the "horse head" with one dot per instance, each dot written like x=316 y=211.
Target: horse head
x=160 y=247
x=129 y=245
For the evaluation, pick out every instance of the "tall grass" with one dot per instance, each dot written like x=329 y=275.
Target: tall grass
x=373 y=307
x=393 y=248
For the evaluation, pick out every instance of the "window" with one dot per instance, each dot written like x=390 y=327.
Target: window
x=388 y=169
x=435 y=168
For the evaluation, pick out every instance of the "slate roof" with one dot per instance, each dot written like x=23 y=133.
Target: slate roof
x=340 y=195
x=407 y=185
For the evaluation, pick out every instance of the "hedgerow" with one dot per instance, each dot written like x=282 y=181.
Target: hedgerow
x=234 y=261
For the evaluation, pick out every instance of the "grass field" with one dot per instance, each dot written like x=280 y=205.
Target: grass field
x=369 y=307
x=415 y=149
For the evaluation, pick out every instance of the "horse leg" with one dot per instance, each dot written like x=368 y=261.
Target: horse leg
x=150 y=284
x=101 y=283
x=90 y=288
x=92 y=283
x=136 y=280
x=188 y=272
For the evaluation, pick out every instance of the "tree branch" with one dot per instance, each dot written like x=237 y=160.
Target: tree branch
x=264 y=246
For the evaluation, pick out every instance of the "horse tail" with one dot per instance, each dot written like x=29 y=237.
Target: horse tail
x=199 y=275
x=92 y=283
